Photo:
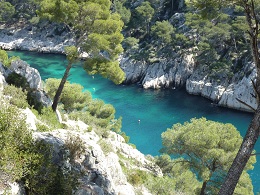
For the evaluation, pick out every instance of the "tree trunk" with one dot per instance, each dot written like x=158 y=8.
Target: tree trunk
x=242 y=157
x=203 y=188
x=252 y=133
x=61 y=86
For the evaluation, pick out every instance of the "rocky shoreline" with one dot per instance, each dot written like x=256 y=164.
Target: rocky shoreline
x=180 y=71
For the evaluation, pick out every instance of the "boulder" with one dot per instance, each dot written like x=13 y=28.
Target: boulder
x=31 y=119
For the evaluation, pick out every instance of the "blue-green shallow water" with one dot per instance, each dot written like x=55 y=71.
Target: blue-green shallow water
x=157 y=110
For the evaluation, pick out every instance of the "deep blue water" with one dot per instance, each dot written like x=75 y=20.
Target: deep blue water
x=157 y=110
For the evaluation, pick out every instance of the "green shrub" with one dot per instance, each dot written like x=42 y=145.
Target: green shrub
x=4 y=58
x=137 y=177
x=17 y=80
x=42 y=127
x=75 y=145
x=56 y=180
x=18 y=152
x=18 y=97
x=49 y=118
x=105 y=146
x=72 y=97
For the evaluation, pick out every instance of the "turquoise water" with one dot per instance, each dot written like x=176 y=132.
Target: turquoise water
x=157 y=110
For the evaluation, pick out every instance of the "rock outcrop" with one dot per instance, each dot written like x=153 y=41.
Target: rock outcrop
x=99 y=165
x=179 y=71
x=162 y=74
x=32 y=76
x=237 y=93
x=102 y=171
x=44 y=37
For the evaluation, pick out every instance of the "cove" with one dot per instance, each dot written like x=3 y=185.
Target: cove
x=157 y=110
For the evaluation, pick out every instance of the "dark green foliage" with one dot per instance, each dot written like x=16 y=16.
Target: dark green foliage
x=97 y=31
x=118 y=6
x=7 y=10
x=163 y=31
x=220 y=37
x=17 y=80
x=50 y=178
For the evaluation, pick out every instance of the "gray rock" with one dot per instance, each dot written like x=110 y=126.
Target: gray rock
x=225 y=92
x=32 y=75
x=2 y=78
x=46 y=37
x=163 y=74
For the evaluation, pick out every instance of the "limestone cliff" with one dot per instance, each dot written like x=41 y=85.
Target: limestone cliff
x=177 y=71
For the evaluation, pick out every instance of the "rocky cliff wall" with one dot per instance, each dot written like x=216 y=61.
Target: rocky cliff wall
x=179 y=71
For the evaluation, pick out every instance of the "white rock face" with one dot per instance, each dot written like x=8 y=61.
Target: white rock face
x=31 y=119
x=13 y=189
x=32 y=75
x=46 y=38
x=243 y=90
x=104 y=173
x=224 y=92
x=162 y=74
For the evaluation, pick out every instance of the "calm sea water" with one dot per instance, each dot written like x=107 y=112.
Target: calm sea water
x=157 y=110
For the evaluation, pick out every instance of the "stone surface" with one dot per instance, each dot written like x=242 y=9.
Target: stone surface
x=104 y=173
x=45 y=37
x=31 y=119
x=162 y=74
x=32 y=75
x=224 y=92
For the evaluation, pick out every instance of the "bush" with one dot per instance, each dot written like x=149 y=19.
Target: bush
x=48 y=118
x=17 y=80
x=105 y=146
x=18 y=97
x=75 y=145
x=18 y=152
x=72 y=97
x=56 y=180
x=137 y=177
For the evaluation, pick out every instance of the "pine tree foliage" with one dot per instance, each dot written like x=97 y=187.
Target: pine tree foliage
x=208 y=148
x=97 y=32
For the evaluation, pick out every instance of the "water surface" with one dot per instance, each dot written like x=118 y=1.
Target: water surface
x=157 y=110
